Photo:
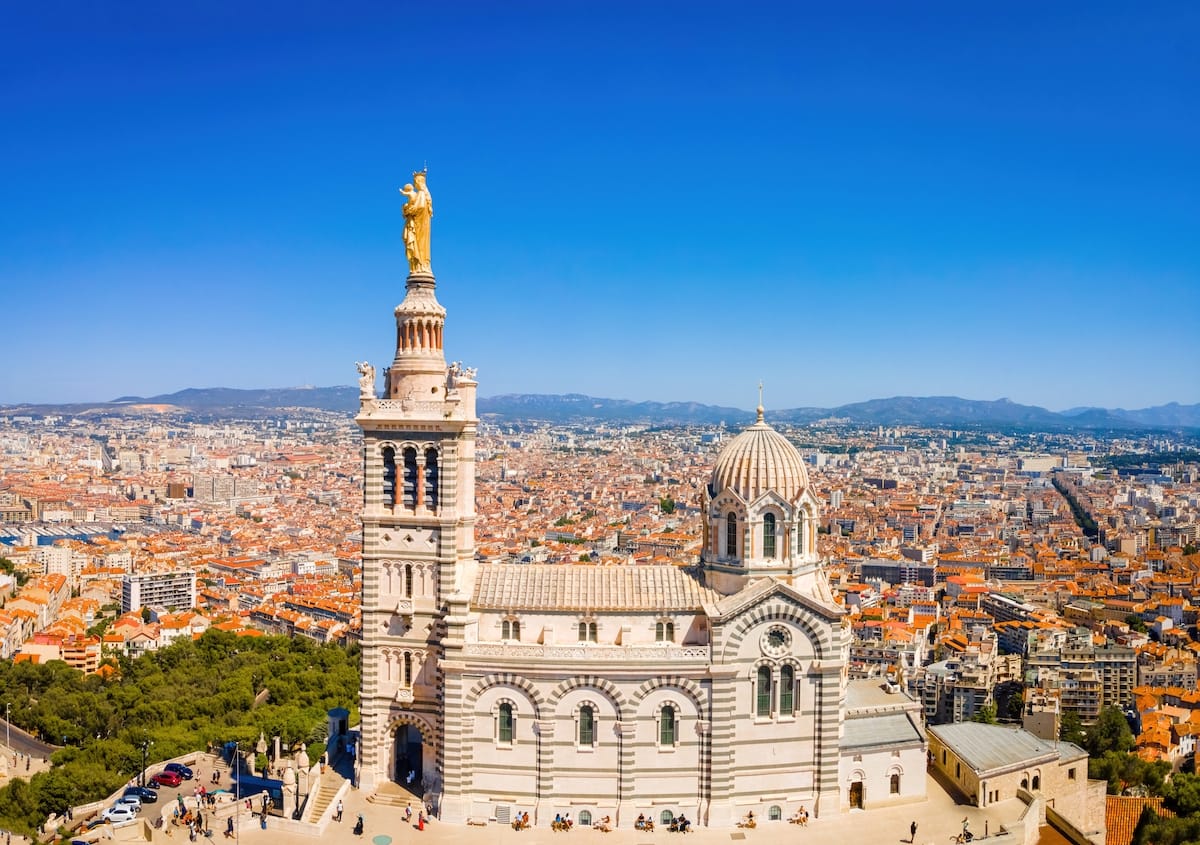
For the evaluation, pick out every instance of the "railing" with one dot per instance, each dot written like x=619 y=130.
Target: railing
x=449 y=408
x=584 y=651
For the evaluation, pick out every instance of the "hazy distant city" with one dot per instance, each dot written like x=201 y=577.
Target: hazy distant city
x=984 y=549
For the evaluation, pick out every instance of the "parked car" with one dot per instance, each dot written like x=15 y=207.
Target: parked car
x=119 y=813
x=166 y=778
x=131 y=801
x=179 y=769
x=145 y=793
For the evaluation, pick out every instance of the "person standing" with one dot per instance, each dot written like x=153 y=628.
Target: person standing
x=338 y=814
x=912 y=832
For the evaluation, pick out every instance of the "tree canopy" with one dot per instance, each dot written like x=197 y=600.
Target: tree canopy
x=180 y=698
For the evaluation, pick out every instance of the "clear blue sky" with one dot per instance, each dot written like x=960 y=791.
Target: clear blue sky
x=646 y=200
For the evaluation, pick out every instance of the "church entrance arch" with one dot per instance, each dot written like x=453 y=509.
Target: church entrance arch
x=410 y=757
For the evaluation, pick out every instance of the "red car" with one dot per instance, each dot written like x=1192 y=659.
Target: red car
x=165 y=779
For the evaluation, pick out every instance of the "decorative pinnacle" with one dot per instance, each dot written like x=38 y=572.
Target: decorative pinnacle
x=760 y=404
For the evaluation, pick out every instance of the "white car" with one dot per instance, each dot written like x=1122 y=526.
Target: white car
x=131 y=801
x=119 y=813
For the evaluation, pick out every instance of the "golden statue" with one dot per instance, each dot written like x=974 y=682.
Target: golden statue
x=418 y=211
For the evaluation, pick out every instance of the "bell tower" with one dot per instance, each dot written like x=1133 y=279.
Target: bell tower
x=418 y=525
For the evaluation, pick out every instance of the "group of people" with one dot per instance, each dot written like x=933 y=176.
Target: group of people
x=562 y=821
x=194 y=822
x=521 y=821
x=801 y=817
x=749 y=821
x=643 y=823
x=679 y=824
x=420 y=816
x=604 y=825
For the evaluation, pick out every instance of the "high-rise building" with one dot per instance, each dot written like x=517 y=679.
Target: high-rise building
x=172 y=590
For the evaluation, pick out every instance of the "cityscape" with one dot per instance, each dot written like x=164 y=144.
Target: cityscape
x=533 y=565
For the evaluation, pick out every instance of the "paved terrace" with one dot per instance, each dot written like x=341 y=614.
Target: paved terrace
x=938 y=819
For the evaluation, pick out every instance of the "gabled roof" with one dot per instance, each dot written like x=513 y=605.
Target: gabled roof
x=505 y=586
x=990 y=748
x=761 y=589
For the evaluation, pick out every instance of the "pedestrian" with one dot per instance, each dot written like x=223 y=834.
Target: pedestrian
x=421 y=820
x=912 y=832
x=338 y=814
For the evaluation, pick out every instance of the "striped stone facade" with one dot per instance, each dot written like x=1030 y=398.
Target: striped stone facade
x=615 y=691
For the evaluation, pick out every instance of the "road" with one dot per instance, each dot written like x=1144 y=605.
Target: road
x=20 y=741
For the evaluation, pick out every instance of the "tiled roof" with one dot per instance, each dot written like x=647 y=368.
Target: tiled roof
x=1121 y=814
x=505 y=586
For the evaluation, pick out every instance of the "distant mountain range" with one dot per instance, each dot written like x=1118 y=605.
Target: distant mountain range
x=575 y=407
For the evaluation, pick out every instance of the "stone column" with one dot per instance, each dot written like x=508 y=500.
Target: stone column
x=827 y=785
x=721 y=811
x=544 y=730
x=626 y=768
x=458 y=746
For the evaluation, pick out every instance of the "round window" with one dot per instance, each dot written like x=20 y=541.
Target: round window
x=776 y=641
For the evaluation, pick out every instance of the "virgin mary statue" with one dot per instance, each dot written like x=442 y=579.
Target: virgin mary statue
x=417 y=213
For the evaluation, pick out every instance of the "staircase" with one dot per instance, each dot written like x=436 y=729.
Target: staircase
x=394 y=795
x=331 y=783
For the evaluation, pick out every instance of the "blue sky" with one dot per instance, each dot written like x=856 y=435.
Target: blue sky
x=646 y=201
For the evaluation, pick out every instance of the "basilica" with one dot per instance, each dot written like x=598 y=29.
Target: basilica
x=715 y=691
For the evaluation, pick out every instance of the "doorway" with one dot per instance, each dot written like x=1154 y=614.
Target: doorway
x=408 y=758
x=856 y=795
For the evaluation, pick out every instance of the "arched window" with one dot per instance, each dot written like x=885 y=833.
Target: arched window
x=587 y=726
x=731 y=534
x=774 y=813
x=769 y=535
x=763 y=690
x=510 y=629
x=787 y=690
x=800 y=528
x=431 y=478
x=895 y=784
x=664 y=632
x=410 y=477
x=587 y=632
x=665 y=817
x=504 y=724
x=407 y=669
x=408 y=580
x=667 y=726
x=389 y=475
x=1037 y=782
x=585 y=818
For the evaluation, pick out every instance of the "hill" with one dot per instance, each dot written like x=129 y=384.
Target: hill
x=577 y=407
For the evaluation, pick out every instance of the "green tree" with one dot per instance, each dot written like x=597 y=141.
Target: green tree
x=1071 y=728
x=1153 y=829
x=181 y=698
x=1182 y=794
x=666 y=504
x=1137 y=623
x=985 y=714
x=1110 y=733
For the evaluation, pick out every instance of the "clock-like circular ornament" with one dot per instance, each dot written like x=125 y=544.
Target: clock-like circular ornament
x=776 y=641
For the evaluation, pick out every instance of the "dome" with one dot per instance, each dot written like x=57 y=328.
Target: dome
x=757 y=460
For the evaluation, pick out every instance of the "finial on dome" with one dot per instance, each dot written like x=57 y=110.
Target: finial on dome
x=760 y=404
